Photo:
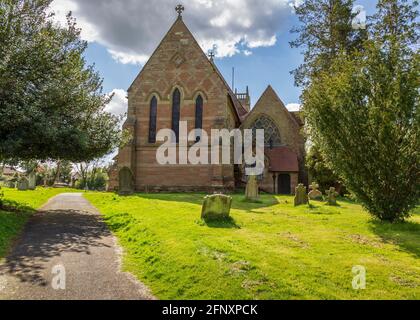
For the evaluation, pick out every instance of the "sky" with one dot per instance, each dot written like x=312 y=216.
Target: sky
x=251 y=36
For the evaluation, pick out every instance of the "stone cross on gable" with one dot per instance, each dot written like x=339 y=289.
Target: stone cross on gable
x=179 y=8
x=212 y=53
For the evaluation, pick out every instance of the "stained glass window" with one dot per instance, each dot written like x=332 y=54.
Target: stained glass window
x=152 y=120
x=198 y=115
x=176 y=109
x=271 y=132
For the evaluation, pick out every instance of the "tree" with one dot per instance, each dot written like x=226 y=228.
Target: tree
x=51 y=102
x=325 y=30
x=364 y=113
x=319 y=171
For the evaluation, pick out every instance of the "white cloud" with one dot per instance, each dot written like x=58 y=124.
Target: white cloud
x=119 y=103
x=247 y=52
x=293 y=107
x=131 y=29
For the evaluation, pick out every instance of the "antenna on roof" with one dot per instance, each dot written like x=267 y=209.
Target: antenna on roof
x=233 y=78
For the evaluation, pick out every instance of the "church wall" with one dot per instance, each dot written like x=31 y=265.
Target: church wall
x=290 y=131
x=178 y=63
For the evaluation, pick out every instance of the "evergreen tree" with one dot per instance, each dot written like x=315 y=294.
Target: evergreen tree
x=51 y=102
x=364 y=113
x=325 y=31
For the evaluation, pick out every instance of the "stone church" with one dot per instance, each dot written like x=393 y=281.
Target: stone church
x=181 y=83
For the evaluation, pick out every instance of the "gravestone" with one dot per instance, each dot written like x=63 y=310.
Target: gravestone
x=216 y=206
x=300 y=195
x=32 y=181
x=23 y=184
x=251 y=192
x=332 y=196
x=315 y=194
x=10 y=184
x=126 y=181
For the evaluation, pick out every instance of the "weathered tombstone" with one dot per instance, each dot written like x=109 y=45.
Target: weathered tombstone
x=23 y=184
x=126 y=181
x=332 y=196
x=32 y=181
x=251 y=192
x=216 y=206
x=10 y=184
x=315 y=194
x=300 y=195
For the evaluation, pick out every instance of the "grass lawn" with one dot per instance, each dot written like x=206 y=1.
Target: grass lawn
x=23 y=204
x=270 y=250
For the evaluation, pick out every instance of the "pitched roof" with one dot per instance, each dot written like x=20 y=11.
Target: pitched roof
x=269 y=91
x=239 y=109
x=282 y=159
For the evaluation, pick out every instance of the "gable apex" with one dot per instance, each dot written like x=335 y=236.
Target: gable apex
x=178 y=23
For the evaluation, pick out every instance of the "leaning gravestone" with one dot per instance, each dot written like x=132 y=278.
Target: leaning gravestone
x=126 y=181
x=332 y=196
x=216 y=206
x=300 y=195
x=251 y=192
x=32 y=181
x=315 y=194
x=23 y=184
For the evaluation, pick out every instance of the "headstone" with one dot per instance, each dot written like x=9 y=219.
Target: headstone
x=251 y=192
x=332 y=196
x=10 y=184
x=23 y=184
x=315 y=194
x=32 y=181
x=126 y=181
x=216 y=206
x=300 y=195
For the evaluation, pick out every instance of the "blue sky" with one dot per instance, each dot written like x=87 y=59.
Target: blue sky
x=252 y=36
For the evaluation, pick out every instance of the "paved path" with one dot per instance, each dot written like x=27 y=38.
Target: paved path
x=67 y=232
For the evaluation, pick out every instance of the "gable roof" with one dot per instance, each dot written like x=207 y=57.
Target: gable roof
x=239 y=109
x=269 y=91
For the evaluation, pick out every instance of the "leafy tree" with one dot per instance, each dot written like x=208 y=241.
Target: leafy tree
x=364 y=113
x=325 y=30
x=319 y=171
x=51 y=102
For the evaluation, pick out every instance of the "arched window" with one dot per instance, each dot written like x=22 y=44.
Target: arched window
x=152 y=120
x=198 y=116
x=176 y=107
x=271 y=131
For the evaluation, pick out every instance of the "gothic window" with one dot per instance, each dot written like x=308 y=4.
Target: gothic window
x=198 y=115
x=176 y=110
x=152 y=120
x=271 y=132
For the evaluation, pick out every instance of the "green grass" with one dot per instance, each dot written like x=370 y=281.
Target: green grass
x=269 y=250
x=20 y=206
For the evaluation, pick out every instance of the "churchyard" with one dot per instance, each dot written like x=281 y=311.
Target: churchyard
x=266 y=249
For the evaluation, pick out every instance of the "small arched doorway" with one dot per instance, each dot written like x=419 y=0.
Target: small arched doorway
x=284 y=184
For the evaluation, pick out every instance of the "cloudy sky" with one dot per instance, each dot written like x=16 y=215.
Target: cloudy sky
x=251 y=35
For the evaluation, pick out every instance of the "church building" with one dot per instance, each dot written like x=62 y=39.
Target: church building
x=181 y=83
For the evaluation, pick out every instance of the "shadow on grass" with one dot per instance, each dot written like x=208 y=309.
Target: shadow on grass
x=16 y=207
x=226 y=223
x=404 y=234
x=238 y=202
x=321 y=208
